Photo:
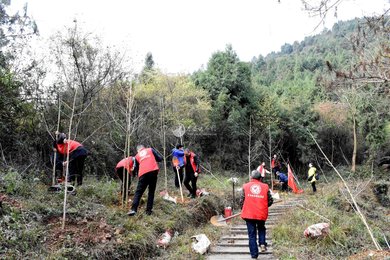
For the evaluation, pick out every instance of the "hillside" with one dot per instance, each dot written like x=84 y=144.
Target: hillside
x=97 y=227
x=81 y=110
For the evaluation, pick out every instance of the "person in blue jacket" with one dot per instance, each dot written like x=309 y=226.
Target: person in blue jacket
x=178 y=163
x=283 y=179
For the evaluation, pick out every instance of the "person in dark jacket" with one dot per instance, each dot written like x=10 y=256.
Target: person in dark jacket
x=255 y=200
x=77 y=156
x=146 y=164
x=283 y=179
x=192 y=168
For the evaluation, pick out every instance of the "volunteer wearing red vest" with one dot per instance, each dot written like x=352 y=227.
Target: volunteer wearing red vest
x=77 y=155
x=147 y=167
x=256 y=198
x=192 y=167
x=124 y=170
x=262 y=170
x=275 y=165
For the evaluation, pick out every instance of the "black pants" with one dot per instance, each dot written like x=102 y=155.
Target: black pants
x=176 y=177
x=146 y=180
x=76 y=167
x=190 y=177
x=274 y=170
x=313 y=185
x=124 y=188
x=284 y=186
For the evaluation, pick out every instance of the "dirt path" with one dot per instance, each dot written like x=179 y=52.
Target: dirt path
x=234 y=244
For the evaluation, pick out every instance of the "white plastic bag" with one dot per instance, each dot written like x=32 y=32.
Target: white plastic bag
x=165 y=239
x=201 y=243
x=318 y=230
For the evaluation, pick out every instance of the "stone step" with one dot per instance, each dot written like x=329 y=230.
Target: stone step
x=242 y=236
x=237 y=243
x=238 y=257
x=234 y=245
x=236 y=250
x=243 y=226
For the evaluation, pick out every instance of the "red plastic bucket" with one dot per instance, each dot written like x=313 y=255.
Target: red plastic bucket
x=228 y=213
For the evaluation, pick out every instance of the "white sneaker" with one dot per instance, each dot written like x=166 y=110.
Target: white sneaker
x=263 y=248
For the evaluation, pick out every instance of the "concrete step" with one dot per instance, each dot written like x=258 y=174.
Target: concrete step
x=237 y=243
x=242 y=237
x=245 y=232
x=236 y=250
x=238 y=257
x=243 y=227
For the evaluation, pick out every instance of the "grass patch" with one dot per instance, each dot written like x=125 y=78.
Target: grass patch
x=348 y=235
x=97 y=227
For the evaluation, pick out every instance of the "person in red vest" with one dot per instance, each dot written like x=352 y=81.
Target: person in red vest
x=275 y=165
x=256 y=198
x=124 y=170
x=262 y=170
x=146 y=163
x=77 y=155
x=192 y=168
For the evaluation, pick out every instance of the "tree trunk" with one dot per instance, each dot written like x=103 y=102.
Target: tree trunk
x=270 y=156
x=353 y=168
x=249 y=147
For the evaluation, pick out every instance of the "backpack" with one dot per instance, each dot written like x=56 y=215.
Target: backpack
x=317 y=176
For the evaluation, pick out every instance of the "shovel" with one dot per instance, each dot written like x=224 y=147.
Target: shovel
x=220 y=221
x=175 y=162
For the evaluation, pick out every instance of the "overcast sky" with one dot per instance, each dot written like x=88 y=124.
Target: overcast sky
x=183 y=34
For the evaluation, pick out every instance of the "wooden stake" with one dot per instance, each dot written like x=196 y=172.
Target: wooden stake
x=270 y=157
x=163 y=142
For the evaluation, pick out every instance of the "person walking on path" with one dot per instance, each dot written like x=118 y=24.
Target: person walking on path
x=312 y=176
x=124 y=170
x=255 y=200
x=146 y=163
x=192 y=168
x=178 y=164
x=77 y=155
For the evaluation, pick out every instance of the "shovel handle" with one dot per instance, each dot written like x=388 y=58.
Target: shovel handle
x=232 y=216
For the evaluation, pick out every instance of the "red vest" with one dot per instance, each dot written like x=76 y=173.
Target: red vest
x=126 y=163
x=256 y=200
x=146 y=161
x=192 y=161
x=261 y=169
x=63 y=148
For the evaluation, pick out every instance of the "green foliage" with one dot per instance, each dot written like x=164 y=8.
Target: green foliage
x=228 y=82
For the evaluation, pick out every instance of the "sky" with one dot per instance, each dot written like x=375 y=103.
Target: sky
x=183 y=34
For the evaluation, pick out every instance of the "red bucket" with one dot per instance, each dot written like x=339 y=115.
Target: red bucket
x=228 y=212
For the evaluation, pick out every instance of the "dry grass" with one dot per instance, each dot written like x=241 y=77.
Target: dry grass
x=348 y=235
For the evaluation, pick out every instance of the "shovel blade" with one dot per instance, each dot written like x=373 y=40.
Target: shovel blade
x=218 y=221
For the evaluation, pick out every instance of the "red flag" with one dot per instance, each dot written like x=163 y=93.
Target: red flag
x=291 y=182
